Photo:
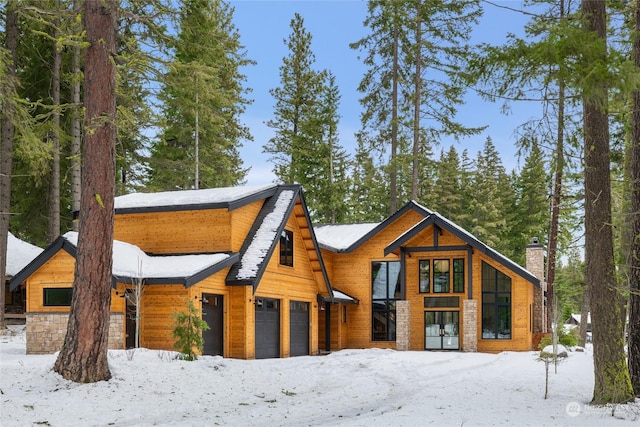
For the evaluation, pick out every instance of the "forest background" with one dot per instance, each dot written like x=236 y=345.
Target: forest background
x=184 y=91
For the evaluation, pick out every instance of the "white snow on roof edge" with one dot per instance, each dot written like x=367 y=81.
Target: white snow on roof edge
x=187 y=197
x=19 y=254
x=259 y=246
x=132 y=262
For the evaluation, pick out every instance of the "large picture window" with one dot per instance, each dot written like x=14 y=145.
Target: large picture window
x=286 y=248
x=385 y=291
x=496 y=303
x=57 y=297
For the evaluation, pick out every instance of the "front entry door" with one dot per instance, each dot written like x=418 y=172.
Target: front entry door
x=441 y=330
x=213 y=314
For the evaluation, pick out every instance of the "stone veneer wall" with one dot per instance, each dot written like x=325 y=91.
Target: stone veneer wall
x=402 y=325
x=534 y=261
x=470 y=325
x=46 y=332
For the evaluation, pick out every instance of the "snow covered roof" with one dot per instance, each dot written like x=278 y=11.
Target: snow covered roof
x=578 y=317
x=19 y=254
x=264 y=237
x=131 y=262
x=347 y=238
x=339 y=237
x=230 y=197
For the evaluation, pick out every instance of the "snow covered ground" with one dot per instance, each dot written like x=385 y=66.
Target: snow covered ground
x=347 y=388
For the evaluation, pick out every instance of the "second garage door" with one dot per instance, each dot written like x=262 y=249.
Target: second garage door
x=267 y=328
x=299 y=328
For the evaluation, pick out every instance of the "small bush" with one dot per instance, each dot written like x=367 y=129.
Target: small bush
x=187 y=328
x=566 y=338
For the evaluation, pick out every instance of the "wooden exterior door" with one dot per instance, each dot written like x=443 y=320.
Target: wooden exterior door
x=267 y=328
x=213 y=314
x=442 y=330
x=299 y=328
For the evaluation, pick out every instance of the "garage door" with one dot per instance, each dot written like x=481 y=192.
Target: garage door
x=267 y=328
x=299 y=338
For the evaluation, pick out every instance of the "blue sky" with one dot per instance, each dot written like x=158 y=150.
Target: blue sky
x=333 y=24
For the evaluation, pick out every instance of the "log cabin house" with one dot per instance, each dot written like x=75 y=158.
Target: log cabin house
x=270 y=284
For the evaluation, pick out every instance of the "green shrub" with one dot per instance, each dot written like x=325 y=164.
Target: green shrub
x=187 y=328
x=567 y=339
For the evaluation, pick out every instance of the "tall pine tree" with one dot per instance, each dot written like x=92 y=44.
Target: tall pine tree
x=202 y=99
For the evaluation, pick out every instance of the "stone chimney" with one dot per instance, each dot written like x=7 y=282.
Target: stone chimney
x=534 y=260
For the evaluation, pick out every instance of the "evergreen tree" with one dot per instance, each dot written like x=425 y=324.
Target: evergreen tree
x=326 y=181
x=202 y=101
x=369 y=201
x=491 y=192
x=530 y=213
x=297 y=121
x=448 y=189
x=187 y=329
x=412 y=87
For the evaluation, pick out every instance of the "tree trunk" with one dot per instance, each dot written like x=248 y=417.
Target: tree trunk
x=393 y=172
x=6 y=150
x=612 y=383
x=416 y=106
x=53 y=211
x=83 y=357
x=634 y=250
x=76 y=135
x=556 y=197
x=584 y=317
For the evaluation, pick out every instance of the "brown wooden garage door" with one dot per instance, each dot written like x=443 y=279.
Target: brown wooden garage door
x=267 y=328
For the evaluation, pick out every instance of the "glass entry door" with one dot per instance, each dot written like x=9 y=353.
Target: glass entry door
x=441 y=330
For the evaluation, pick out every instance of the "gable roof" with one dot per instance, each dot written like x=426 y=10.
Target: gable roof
x=211 y=198
x=264 y=236
x=341 y=238
x=439 y=221
x=19 y=254
x=131 y=264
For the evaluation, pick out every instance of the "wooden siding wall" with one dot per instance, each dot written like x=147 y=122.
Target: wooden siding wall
x=242 y=220
x=57 y=272
x=159 y=302
x=175 y=232
x=242 y=322
x=191 y=231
